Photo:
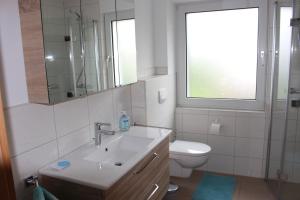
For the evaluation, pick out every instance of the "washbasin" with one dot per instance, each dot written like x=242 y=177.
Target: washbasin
x=118 y=151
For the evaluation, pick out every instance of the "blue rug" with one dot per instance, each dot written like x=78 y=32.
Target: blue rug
x=215 y=187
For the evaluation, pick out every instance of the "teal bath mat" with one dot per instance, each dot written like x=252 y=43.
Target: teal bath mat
x=215 y=187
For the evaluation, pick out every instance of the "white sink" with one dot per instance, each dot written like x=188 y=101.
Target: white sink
x=95 y=167
x=117 y=152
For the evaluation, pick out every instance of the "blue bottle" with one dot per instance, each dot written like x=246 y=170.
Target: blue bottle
x=124 y=123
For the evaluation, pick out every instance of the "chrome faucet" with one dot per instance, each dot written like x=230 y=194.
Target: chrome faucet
x=99 y=132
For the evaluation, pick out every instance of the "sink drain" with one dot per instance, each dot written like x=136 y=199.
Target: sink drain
x=118 y=164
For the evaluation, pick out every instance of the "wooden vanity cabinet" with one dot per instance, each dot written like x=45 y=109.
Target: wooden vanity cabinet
x=148 y=180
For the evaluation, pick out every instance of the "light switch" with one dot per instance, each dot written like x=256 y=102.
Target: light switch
x=162 y=95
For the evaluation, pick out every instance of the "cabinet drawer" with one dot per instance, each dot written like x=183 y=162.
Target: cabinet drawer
x=139 y=182
x=156 y=189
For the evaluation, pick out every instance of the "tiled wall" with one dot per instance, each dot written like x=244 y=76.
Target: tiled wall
x=238 y=149
x=146 y=108
x=41 y=134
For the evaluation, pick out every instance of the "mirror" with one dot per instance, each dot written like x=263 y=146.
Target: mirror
x=89 y=46
x=125 y=47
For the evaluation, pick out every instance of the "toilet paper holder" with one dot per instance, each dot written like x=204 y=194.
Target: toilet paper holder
x=215 y=127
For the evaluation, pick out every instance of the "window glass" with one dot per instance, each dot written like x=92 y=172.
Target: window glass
x=222 y=48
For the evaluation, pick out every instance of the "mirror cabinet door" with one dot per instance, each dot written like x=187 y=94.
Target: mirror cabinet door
x=63 y=39
x=124 y=45
x=89 y=46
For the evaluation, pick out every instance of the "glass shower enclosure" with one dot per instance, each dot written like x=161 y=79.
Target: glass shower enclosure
x=283 y=159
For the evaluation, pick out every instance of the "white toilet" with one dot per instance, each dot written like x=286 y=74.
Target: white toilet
x=186 y=156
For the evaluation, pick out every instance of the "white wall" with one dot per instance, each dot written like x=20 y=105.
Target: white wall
x=144 y=38
x=12 y=71
x=164 y=36
x=160 y=33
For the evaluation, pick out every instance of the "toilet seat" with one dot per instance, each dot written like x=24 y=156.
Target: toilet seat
x=186 y=148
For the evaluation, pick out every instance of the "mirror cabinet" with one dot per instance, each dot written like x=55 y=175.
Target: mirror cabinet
x=74 y=48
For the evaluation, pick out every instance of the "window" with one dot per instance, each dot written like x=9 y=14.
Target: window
x=222 y=65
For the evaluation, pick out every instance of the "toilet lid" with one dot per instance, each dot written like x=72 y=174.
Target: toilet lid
x=189 y=148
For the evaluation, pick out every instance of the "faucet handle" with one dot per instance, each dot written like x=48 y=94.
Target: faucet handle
x=98 y=125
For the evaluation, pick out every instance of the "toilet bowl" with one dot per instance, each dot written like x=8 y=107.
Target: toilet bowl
x=186 y=156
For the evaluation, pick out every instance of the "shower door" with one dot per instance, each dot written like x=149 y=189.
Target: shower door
x=283 y=161
x=290 y=186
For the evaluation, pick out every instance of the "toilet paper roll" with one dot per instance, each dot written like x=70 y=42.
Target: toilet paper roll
x=215 y=128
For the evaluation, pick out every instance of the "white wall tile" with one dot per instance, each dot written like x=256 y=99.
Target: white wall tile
x=192 y=137
x=297 y=152
x=291 y=130
x=227 y=124
x=289 y=152
x=255 y=114
x=221 y=145
x=246 y=147
x=248 y=167
x=195 y=111
x=293 y=113
x=274 y=166
x=30 y=162
x=122 y=102
x=29 y=126
x=122 y=98
x=276 y=149
x=227 y=113
x=278 y=129
x=220 y=163
x=195 y=123
x=71 y=116
x=250 y=127
x=178 y=123
x=101 y=108
x=138 y=94
x=296 y=173
x=288 y=169
x=139 y=116
x=73 y=141
x=298 y=131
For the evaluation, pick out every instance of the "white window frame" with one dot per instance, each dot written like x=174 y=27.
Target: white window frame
x=239 y=104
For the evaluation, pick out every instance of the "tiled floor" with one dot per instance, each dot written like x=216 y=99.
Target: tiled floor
x=246 y=189
x=289 y=191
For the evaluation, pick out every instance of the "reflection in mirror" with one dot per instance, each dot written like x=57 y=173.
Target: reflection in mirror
x=94 y=37
x=109 y=62
x=62 y=24
x=124 y=43
x=89 y=47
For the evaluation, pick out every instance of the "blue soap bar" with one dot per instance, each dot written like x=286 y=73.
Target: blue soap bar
x=63 y=164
